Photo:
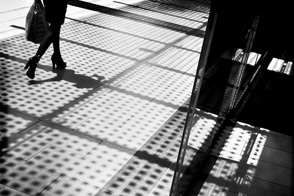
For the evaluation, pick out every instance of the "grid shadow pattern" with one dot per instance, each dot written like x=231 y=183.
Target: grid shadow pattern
x=112 y=112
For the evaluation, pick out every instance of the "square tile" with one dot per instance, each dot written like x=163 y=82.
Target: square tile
x=268 y=172
x=61 y=137
x=70 y=120
x=277 y=157
x=66 y=186
x=138 y=177
x=27 y=149
x=280 y=142
x=163 y=187
x=255 y=186
x=14 y=122
x=5 y=190
x=103 y=128
x=24 y=177
x=230 y=148
x=110 y=154
x=219 y=176
x=210 y=188
x=66 y=139
x=274 y=173
x=86 y=169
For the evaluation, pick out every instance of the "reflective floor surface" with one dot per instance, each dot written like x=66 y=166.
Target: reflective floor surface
x=108 y=124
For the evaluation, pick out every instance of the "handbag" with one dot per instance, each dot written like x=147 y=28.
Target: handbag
x=36 y=26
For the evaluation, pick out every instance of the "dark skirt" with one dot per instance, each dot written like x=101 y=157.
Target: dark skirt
x=55 y=11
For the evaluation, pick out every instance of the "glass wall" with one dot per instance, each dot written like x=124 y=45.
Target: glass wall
x=236 y=59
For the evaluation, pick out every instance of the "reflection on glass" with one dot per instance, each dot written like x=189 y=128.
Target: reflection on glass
x=228 y=69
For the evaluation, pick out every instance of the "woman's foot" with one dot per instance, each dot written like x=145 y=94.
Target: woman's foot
x=57 y=61
x=31 y=66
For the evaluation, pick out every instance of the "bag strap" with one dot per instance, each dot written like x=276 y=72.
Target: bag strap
x=38 y=1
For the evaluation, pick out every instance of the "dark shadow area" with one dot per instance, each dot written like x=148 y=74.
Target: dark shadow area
x=4 y=139
x=178 y=5
x=79 y=80
x=270 y=99
x=171 y=8
x=138 y=17
x=271 y=103
x=4 y=142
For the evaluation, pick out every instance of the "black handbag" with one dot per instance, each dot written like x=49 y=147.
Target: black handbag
x=36 y=26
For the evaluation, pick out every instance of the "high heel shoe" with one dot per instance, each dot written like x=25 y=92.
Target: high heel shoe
x=57 y=61
x=32 y=65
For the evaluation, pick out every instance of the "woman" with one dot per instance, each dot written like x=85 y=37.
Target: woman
x=55 y=11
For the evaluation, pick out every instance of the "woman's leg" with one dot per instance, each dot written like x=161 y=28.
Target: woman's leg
x=56 y=57
x=45 y=43
x=48 y=39
x=56 y=39
x=51 y=37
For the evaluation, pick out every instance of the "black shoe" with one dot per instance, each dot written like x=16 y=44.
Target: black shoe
x=32 y=65
x=57 y=61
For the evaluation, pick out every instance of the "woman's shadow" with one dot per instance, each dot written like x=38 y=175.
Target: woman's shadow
x=80 y=81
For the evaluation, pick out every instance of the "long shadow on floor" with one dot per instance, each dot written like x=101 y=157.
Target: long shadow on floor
x=69 y=75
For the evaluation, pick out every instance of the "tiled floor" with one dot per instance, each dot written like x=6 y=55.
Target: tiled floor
x=109 y=123
x=251 y=161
